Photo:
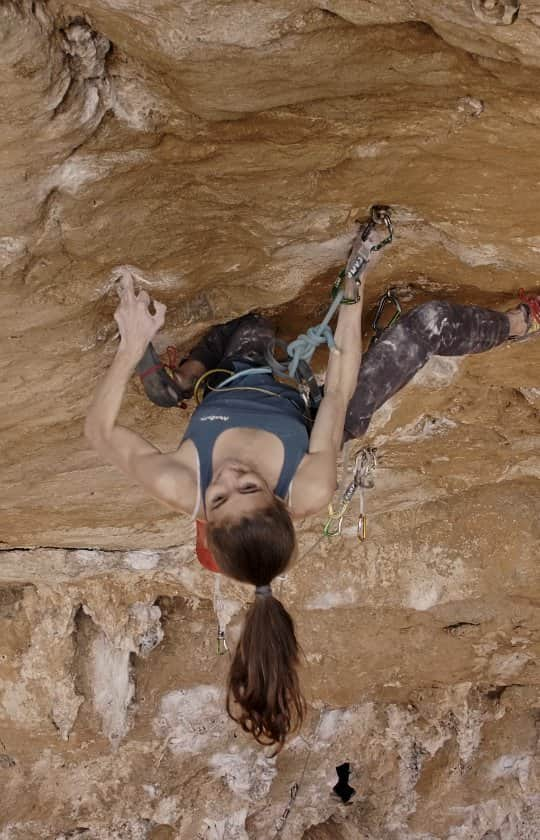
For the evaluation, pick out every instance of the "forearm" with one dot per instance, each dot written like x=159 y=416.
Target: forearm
x=105 y=406
x=327 y=432
x=162 y=475
x=340 y=383
x=343 y=367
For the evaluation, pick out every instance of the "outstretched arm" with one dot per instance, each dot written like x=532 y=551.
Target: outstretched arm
x=316 y=479
x=162 y=475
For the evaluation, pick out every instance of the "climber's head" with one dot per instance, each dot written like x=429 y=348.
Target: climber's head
x=263 y=689
x=236 y=490
x=257 y=544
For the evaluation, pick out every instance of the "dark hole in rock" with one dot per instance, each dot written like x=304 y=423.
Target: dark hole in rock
x=343 y=789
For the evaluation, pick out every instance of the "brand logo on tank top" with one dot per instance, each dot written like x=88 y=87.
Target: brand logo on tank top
x=214 y=417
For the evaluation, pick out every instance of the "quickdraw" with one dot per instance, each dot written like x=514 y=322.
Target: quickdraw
x=300 y=351
x=219 y=611
x=280 y=824
x=295 y=787
x=362 y=251
x=365 y=462
x=388 y=298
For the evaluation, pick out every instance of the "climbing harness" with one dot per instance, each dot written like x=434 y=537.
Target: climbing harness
x=202 y=380
x=197 y=392
x=257 y=388
x=299 y=370
x=300 y=351
x=389 y=297
x=365 y=461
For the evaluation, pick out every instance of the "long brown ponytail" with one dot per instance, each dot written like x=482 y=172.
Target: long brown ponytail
x=263 y=681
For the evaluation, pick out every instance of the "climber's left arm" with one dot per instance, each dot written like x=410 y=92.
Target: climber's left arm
x=315 y=481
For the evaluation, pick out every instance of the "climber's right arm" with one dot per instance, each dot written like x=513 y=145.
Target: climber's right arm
x=161 y=474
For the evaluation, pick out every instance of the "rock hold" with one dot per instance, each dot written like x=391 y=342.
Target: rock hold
x=497 y=12
x=87 y=49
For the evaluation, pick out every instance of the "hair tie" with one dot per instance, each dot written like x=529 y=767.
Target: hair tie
x=264 y=591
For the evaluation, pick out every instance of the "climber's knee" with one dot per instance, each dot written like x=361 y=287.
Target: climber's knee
x=432 y=311
x=428 y=319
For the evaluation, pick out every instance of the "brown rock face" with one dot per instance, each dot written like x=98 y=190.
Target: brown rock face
x=225 y=150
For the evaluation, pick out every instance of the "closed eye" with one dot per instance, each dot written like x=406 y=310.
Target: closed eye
x=218 y=501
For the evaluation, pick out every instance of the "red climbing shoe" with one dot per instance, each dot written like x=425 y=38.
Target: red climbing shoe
x=530 y=306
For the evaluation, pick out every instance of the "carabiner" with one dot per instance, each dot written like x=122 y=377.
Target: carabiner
x=338 y=287
x=333 y=526
x=358 y=261
x=389 y=297
x=361 y=531
x=365 y=461
x=334 y=523
x=380 y=215
x=221 y=643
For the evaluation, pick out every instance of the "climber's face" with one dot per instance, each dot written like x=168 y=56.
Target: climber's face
x=236 y=490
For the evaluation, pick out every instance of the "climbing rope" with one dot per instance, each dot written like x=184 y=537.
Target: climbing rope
x=301 y=350
x=365 y=461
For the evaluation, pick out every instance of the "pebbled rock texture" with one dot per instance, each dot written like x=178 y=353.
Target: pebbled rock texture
x=225 y=150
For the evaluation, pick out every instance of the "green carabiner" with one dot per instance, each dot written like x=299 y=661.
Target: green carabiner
x=333 y=531
x=337 y=518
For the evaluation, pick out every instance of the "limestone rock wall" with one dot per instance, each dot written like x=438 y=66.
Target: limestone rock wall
x=225 y=150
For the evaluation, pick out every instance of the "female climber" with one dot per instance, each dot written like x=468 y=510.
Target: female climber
x=251 y=461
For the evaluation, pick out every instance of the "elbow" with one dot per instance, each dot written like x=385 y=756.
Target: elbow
x=94 y=433
x=321 y=499
x=328 y=491
x=90 y=428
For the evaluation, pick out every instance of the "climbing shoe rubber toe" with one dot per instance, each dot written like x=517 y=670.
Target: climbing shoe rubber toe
x=159 y=386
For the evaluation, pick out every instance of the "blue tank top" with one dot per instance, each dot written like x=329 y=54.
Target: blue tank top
x=281 y=412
